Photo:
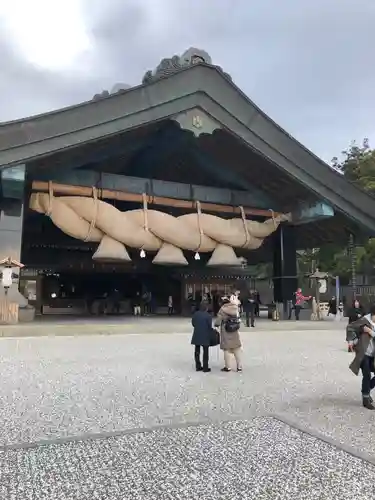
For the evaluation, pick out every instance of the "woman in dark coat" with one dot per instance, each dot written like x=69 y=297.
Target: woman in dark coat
x=356 y=311
x=332 y=304
x=202 y=336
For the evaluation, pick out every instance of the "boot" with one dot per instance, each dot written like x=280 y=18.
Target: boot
x=367 y=403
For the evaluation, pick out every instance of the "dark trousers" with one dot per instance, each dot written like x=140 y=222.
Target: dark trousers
x=297 y=310
x=368 y=382
x=197 y=356
x=290 y=309
x=250 y=317
x=170 y=311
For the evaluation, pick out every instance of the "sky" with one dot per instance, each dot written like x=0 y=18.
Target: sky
x=307 y=63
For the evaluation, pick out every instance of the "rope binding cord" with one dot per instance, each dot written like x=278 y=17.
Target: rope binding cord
x=199 y=214
x=273 y=217
x=93 y=221
x=145 y=222
x=145 y=215
x=243 y=216
x=50 y=199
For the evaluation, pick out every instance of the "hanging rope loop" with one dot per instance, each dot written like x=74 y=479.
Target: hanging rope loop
x=246 y=230
x=199 y=217
x=96 y=210
x=145 y=215
x=50 y=199
x=273 y=217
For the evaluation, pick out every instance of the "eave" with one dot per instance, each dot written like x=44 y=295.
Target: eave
x=200 y=87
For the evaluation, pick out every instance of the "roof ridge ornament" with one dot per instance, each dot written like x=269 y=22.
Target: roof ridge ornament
x=174 y=64
x=167 y=66
x=118 y=88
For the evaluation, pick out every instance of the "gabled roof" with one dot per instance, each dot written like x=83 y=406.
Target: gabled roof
x=200 y=87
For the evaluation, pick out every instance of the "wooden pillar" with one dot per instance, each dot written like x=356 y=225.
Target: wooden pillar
x=8 y=311
x=284 y=265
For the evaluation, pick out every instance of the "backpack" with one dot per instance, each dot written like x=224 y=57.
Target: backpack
x=232 y=324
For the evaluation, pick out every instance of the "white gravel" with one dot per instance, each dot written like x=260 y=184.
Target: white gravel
x=66 y=386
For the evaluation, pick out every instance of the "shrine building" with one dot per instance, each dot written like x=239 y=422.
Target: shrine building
x=177 y=186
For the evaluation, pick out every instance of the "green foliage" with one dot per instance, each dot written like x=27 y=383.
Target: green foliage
x=357 y=164
x=332 y=259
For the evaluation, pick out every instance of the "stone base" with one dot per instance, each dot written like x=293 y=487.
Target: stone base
x=26 y=314
x=8 y=312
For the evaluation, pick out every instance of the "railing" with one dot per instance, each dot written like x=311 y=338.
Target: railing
x=361 y=290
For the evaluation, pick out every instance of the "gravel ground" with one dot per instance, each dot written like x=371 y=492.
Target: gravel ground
x=53 y=387
x=64 y=386
x=65 y=326
x=257 y=459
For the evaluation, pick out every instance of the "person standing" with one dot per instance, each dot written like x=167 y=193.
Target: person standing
x=235 y=297
x=215 y=303
x=332 y=306
x=146 y=298
x=137 y=304
x=250 y=306
x=257 y=304
x=355 y=312
x=202 y=337
x=228 y=319
x=170 y=305
x=300 y=299
x=365 y=356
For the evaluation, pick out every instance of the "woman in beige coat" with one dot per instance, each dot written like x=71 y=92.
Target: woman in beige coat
x=230 y=341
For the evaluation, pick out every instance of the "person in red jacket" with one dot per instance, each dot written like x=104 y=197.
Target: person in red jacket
x=299 y=300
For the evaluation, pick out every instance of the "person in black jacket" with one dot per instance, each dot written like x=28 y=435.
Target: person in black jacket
x=202 y=335
x=332 y=305
x=250 y=303
x=354 y=313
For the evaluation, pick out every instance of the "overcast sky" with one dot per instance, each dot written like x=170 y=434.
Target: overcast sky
x=308 y=63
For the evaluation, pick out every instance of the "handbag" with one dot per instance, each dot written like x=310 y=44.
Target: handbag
x=214 y=337
x=354 y=329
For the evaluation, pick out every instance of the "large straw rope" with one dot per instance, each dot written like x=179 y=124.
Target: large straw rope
x=92 y=219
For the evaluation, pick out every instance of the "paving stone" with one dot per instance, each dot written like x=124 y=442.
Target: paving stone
x=69 y=386
x=255 y=459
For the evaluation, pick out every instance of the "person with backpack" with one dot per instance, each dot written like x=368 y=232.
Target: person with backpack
x=361 y=333
x=228 y=319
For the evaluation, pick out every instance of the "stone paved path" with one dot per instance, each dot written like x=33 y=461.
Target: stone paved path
x=63 y=386
x=257 y=459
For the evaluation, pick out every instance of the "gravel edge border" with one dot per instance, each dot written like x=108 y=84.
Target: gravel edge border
x=351 y=450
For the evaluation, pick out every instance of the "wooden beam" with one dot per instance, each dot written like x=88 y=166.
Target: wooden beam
x=66 y=189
